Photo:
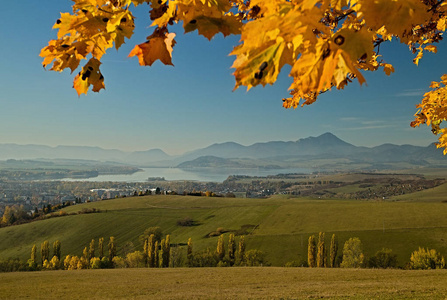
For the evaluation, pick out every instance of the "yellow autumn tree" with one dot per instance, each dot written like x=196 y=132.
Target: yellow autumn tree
x=327 y=43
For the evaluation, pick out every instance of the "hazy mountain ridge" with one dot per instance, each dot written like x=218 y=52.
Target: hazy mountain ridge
x=230 y=154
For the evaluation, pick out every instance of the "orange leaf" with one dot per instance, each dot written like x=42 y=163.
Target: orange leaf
x=159 y=46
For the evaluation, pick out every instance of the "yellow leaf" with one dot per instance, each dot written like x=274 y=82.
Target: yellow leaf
x=209 y=17
x=387 y=68
x=89 y=75
x=262 y=67
x=431 y=48
x=159 y=46
x=398 y=16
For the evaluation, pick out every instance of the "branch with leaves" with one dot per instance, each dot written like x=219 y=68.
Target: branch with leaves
x=327 y=43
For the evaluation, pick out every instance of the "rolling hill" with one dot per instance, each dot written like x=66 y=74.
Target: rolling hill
x=278 y=226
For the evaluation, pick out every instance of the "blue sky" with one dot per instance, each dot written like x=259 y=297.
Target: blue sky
x=191 y=105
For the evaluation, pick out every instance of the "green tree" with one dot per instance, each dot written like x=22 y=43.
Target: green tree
x=426 y=259
x=91 y=250
x=383 y=259
x=45 y=251
x=321 y=254
x=156 y=231
x=112 y=248
x=57 y=249
x=189 y=253
x=312 y=252
x=334 y=250
x=231 y=249
x=353 y=254
x=221 y=248
x=101 y=248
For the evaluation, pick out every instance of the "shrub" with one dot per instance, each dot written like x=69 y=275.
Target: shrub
x=425 y=259
x=95 y=263
x=74 y=260
x=135 y=260
x=186 y=222
x=55 y=263
x=118 y=262
x=383 y=259
x=254 y=258
x=296 y=264
x=205 y=259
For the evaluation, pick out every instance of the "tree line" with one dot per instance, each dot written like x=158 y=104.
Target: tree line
x=159 y=252
x=353 y=256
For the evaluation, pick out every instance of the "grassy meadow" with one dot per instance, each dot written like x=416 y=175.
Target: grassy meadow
x=283 y=224
x=225 y=283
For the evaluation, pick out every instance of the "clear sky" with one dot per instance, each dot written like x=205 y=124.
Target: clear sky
x=191 y=105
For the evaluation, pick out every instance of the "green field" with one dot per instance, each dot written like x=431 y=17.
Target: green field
x=283 y=224
x=225 y=283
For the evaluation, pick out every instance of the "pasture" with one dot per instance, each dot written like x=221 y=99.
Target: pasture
x=279 y=226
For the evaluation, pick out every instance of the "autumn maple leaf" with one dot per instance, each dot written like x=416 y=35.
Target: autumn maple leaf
x=158 y=46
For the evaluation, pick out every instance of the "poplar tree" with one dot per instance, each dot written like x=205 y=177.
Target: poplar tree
x=334 y=250
x=311 y=252
x=33 y=255
x=146 y=251
x=45 y=251
x=57 y=249
x=151 y=249
x=321 y=254
x=166 y=246
x=156 y=256
x=221 y=248
x=241 y=252
x=101 y=248
x=189 y=254
x=112 y=248
x=162 y=254
x=91 y=250
x=231 y=249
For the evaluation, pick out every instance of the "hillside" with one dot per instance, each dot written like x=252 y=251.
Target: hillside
x=283 y=224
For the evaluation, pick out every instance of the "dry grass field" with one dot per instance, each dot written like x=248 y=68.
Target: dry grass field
x=225 y=283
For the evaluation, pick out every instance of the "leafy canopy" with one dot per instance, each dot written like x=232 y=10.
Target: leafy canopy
x=327 y=43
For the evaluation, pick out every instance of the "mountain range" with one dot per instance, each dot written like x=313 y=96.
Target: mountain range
x=326 y=150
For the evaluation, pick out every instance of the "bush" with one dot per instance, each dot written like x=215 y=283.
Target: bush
x=95 y=263
x=384 y=259
x=13 y=265
x=119 y=262
x=254 y=258
x=205 y=259
x=425 y=259
x=186 y=222
x=135 y=260
x=296 y=264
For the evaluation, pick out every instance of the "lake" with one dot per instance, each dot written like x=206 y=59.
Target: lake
x=199 y=174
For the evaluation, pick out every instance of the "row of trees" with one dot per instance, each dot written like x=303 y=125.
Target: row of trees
x=157 y=253
x=353 y=256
